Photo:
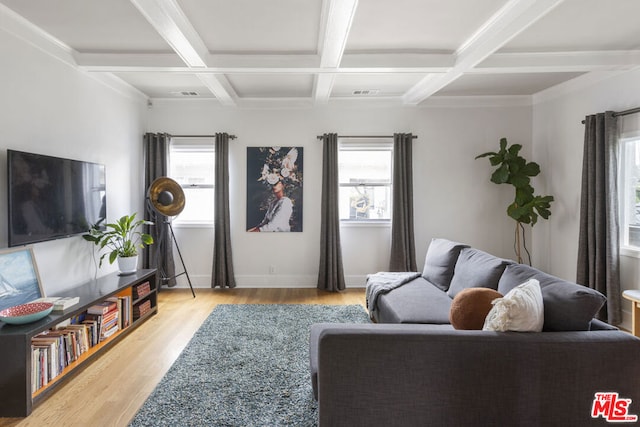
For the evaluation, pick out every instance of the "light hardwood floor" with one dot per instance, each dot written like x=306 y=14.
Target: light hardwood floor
x=111 y=389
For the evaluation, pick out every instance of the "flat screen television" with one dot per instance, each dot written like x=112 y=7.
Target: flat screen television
x=52 y=198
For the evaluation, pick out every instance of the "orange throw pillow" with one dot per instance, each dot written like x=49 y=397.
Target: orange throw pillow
x=471 y=306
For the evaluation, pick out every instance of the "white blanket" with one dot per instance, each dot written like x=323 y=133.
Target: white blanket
x=383 y=282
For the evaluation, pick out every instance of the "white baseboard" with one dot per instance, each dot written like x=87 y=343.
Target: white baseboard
x=356 y=280
x=269 y=281
x=276 y=281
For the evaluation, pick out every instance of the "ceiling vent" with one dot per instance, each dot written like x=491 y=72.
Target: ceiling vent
x=365 y=92
x=185 y=93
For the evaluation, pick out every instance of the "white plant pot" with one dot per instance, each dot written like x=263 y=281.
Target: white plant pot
x=128 y=265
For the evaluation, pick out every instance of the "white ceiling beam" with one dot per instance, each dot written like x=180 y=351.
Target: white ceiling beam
x=88 y=60
x=335 y=25
x=163 y=60
x=371 y=63
x=259 y=70
x=217 y=83
x=259 y=63
x=434 y=62
x=170 y=22
x=553 y=62
x=513 y=18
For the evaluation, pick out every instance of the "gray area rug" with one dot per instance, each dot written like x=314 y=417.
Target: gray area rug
x=247 y=365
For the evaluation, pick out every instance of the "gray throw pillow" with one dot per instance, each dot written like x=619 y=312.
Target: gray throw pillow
x=476 y=269
x=567 y=306
x=440 y=261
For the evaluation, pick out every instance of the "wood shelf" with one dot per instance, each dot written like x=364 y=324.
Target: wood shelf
x=16 y=398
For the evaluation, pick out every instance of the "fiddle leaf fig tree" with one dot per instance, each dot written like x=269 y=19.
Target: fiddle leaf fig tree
x=514 y=169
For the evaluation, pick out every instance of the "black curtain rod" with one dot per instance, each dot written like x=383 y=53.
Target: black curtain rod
x=200 y=136
x=625 y=112
x=366 y=136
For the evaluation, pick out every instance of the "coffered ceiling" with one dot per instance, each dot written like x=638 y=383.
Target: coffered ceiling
x=248 y=53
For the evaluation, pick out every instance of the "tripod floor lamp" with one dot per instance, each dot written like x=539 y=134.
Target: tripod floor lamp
x=165 y=197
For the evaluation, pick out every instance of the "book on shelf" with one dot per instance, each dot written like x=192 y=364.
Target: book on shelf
x=65 y=302
x=47 y=356
x=92 y=331
x=118 y=302
x=60 y=303
x=141 y=309
x=102 y=307
x=112 y=330
x=142 y=290
x=82 y=337
x=35 y=368
x=104 y=323
x=40 y=370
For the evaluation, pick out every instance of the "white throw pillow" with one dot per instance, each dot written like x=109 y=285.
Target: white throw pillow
x=521 y=310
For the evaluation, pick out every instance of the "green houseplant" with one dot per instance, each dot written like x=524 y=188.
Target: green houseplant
x=122 y=240
x=514 y=169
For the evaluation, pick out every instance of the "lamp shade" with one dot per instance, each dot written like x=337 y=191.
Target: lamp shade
x=166 y=196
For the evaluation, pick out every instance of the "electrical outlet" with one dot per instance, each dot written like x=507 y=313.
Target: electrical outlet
x=272 y=269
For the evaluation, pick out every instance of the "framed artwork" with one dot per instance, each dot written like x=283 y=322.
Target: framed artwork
x=19 y=278
x=274 y=189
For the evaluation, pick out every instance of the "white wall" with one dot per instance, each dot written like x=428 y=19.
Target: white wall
x=453 y=195
x=558 y=137
x=51 y=108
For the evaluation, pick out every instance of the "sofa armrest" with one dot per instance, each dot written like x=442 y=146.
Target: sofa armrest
x=416 y=375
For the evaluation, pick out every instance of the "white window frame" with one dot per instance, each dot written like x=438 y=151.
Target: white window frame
x=368 y=145
x=192 y=145
x=623 y=206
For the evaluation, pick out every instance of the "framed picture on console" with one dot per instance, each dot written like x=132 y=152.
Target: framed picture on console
x=19 y=278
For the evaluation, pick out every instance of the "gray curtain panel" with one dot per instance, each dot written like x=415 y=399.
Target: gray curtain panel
x=403 y=248
x=156 y=164
x=598 y=261
x=331 y=274
x=222 y=274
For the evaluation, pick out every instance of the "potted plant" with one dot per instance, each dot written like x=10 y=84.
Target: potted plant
x=515 y=170
x=122 y=239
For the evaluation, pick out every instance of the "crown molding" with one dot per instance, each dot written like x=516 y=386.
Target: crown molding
x=24 y=30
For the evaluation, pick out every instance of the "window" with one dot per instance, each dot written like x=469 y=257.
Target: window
x=365 y=181
x=630 y=192
x=191 y=164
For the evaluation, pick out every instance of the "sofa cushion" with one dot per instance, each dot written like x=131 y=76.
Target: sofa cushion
x=470 y=308
x=415 y=302
x=520 y=310
x=567 y=306
x=440 y=261
x=476 y=269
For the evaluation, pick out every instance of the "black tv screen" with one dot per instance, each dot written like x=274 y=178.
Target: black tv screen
x=51 y=197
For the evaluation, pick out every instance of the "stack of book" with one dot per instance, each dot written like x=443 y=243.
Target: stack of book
x=106 y=315
x=141 y=290
x=140 y=310
x=60 y=304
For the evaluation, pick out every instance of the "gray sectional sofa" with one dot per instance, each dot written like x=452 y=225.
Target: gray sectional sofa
x=412 y=368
